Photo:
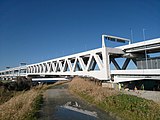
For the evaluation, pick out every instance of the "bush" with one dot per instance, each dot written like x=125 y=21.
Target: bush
x=8 y=89
x=23 y=83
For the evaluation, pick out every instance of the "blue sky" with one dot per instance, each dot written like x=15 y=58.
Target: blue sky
x=35 y=30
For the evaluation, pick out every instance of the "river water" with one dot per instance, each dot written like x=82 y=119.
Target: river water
x=59 y=104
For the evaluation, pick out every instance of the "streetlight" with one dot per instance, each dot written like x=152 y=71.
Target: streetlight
x=22 y=63
x=8 y=67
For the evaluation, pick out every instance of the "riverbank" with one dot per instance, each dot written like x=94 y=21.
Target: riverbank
x=25 y=105
x=127 y=107
x=22 y=104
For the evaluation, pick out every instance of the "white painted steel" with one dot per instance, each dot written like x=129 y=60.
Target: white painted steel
x=93 y=63
x=48 y=79
x=118 y=79
x=136 y=72
x=132 y=75
x=140 y=45
x=77 y=64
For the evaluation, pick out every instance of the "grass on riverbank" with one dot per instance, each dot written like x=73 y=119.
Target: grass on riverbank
x=131 y=107
x=87 y=88
x=23 y=105
x=127 y=107
x=5 y=95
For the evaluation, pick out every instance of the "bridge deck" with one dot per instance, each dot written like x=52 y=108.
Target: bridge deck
x=132 y=75
x=48 y=79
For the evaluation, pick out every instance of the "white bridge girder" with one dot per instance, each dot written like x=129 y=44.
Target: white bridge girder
x=94 y=63
x=90 y=63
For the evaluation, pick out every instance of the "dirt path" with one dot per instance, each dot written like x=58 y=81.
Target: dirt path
x=59 y=104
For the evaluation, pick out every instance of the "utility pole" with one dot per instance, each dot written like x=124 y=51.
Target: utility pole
x=131 y=36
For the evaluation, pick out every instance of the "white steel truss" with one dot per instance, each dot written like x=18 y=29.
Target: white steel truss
x=94 y=63
x=90 y=63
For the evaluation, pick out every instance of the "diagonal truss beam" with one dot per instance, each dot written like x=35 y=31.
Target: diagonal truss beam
x=115 y=63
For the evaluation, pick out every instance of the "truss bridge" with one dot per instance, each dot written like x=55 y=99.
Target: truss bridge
x=99 y=63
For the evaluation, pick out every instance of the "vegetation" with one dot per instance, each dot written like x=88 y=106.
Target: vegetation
x=21 y=83
x=131 y=107
x=20 y=100
x=127 y=107
x=86 y=88
x=5 y=95
x=10 y=89
x=33 y=114
x=21 y=107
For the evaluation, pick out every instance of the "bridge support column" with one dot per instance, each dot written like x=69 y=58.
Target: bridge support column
x=106 y=59
x=106 y=62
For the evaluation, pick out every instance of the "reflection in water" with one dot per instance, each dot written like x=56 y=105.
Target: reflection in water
x=61 y=105
x=73 y=111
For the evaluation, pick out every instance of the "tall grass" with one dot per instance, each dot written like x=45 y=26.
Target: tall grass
x=127 y=107
x=20 y=106
x=86 y=87
x=5 y=95
x=25 y=104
